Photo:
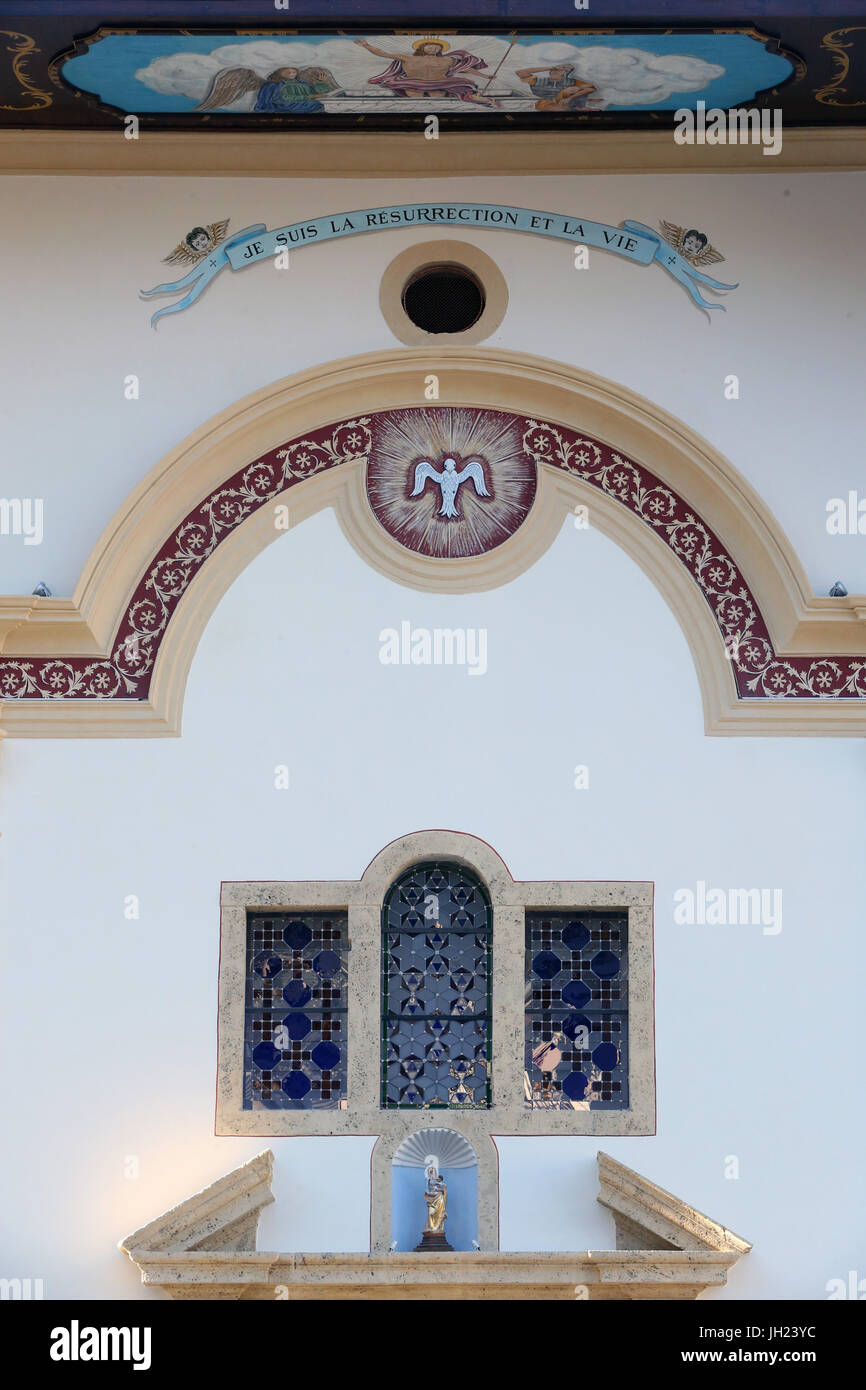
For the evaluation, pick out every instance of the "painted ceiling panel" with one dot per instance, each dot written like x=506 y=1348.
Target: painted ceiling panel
x=396 y=73
x=180 y=66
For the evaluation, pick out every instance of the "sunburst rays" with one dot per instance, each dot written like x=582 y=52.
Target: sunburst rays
x=402 y=437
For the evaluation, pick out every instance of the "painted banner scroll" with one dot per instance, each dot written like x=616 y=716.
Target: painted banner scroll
x=680 y=252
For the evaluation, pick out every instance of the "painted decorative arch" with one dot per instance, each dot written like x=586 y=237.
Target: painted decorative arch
x=114 y=659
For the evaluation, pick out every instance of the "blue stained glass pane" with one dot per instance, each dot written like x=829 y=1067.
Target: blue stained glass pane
x=576 y=1025
x=605 y=965
x=265 y=1056
x=436 y=943
x=327 y=963
x=326 y=1056
x=297 y=994
x=572 y=1024
x=605 y=1056
x=297 y=935
x=296 y=1060
x=576 y=993
x=575 y=936
x=297 y=1026
x=267 y=966
x=296 y=1085
x=574 y=1085
x=546 y=965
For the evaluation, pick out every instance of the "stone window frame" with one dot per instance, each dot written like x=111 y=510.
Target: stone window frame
x=362 y=899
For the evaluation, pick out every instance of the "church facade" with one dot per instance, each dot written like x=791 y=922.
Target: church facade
x=432 y=658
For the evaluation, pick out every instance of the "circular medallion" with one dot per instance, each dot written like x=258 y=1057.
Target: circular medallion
x=449 y=482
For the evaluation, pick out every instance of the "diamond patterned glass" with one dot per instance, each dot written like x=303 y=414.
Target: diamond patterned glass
x=436 y=942
x=576 y=1034
x=295 y=1020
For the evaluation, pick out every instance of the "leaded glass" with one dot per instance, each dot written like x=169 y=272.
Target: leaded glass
x=576 y=1034
x=295 y=1018
x=436 y=942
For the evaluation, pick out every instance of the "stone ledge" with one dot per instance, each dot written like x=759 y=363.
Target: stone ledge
x=396 y=154
x=605 y=1274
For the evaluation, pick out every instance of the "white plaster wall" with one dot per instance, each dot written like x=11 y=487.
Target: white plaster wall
x=109 y=1025
x=77 y=251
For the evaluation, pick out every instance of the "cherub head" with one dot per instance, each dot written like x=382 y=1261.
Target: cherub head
x=693 y=242
x=449 y=465
x=198 y=239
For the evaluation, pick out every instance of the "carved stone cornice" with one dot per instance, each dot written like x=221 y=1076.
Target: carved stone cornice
x=588 y=1275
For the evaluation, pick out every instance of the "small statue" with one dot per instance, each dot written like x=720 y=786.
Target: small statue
x=436 y=1197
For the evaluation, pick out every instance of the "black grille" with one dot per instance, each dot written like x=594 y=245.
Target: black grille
x=444 y=299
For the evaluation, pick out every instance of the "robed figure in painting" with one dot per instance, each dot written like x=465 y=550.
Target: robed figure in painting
x=429 y=71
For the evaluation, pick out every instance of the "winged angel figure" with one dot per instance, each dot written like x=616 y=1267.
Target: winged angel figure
x=285 y=89
x=449 y=481
x=691 y=244
x=197 y=244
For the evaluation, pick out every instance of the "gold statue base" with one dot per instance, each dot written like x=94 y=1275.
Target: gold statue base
x=433 y=1240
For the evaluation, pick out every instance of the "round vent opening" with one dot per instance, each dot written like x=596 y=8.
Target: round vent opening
x=443 y=298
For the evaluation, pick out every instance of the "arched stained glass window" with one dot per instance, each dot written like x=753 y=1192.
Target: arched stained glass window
x=436 y=943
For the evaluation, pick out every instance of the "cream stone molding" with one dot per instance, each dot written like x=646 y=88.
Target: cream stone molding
x=223 y=1216
x=170 y=1257
x=565 y=399
x=404 y=154
x=443 y=252
x=362 y=899
x=656 y=1218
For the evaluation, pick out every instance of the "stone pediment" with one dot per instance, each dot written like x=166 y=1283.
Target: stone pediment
x=204 y=1248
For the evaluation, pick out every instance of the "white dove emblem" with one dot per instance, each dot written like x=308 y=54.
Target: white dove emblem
x=449 y=481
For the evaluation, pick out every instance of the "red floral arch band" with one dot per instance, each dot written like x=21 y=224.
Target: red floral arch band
x=126 y=673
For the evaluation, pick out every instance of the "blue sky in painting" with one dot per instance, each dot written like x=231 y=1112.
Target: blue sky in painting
x=108 y=68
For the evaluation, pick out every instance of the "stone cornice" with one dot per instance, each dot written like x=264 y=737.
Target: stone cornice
x=600 y=1274
x=402 y=154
